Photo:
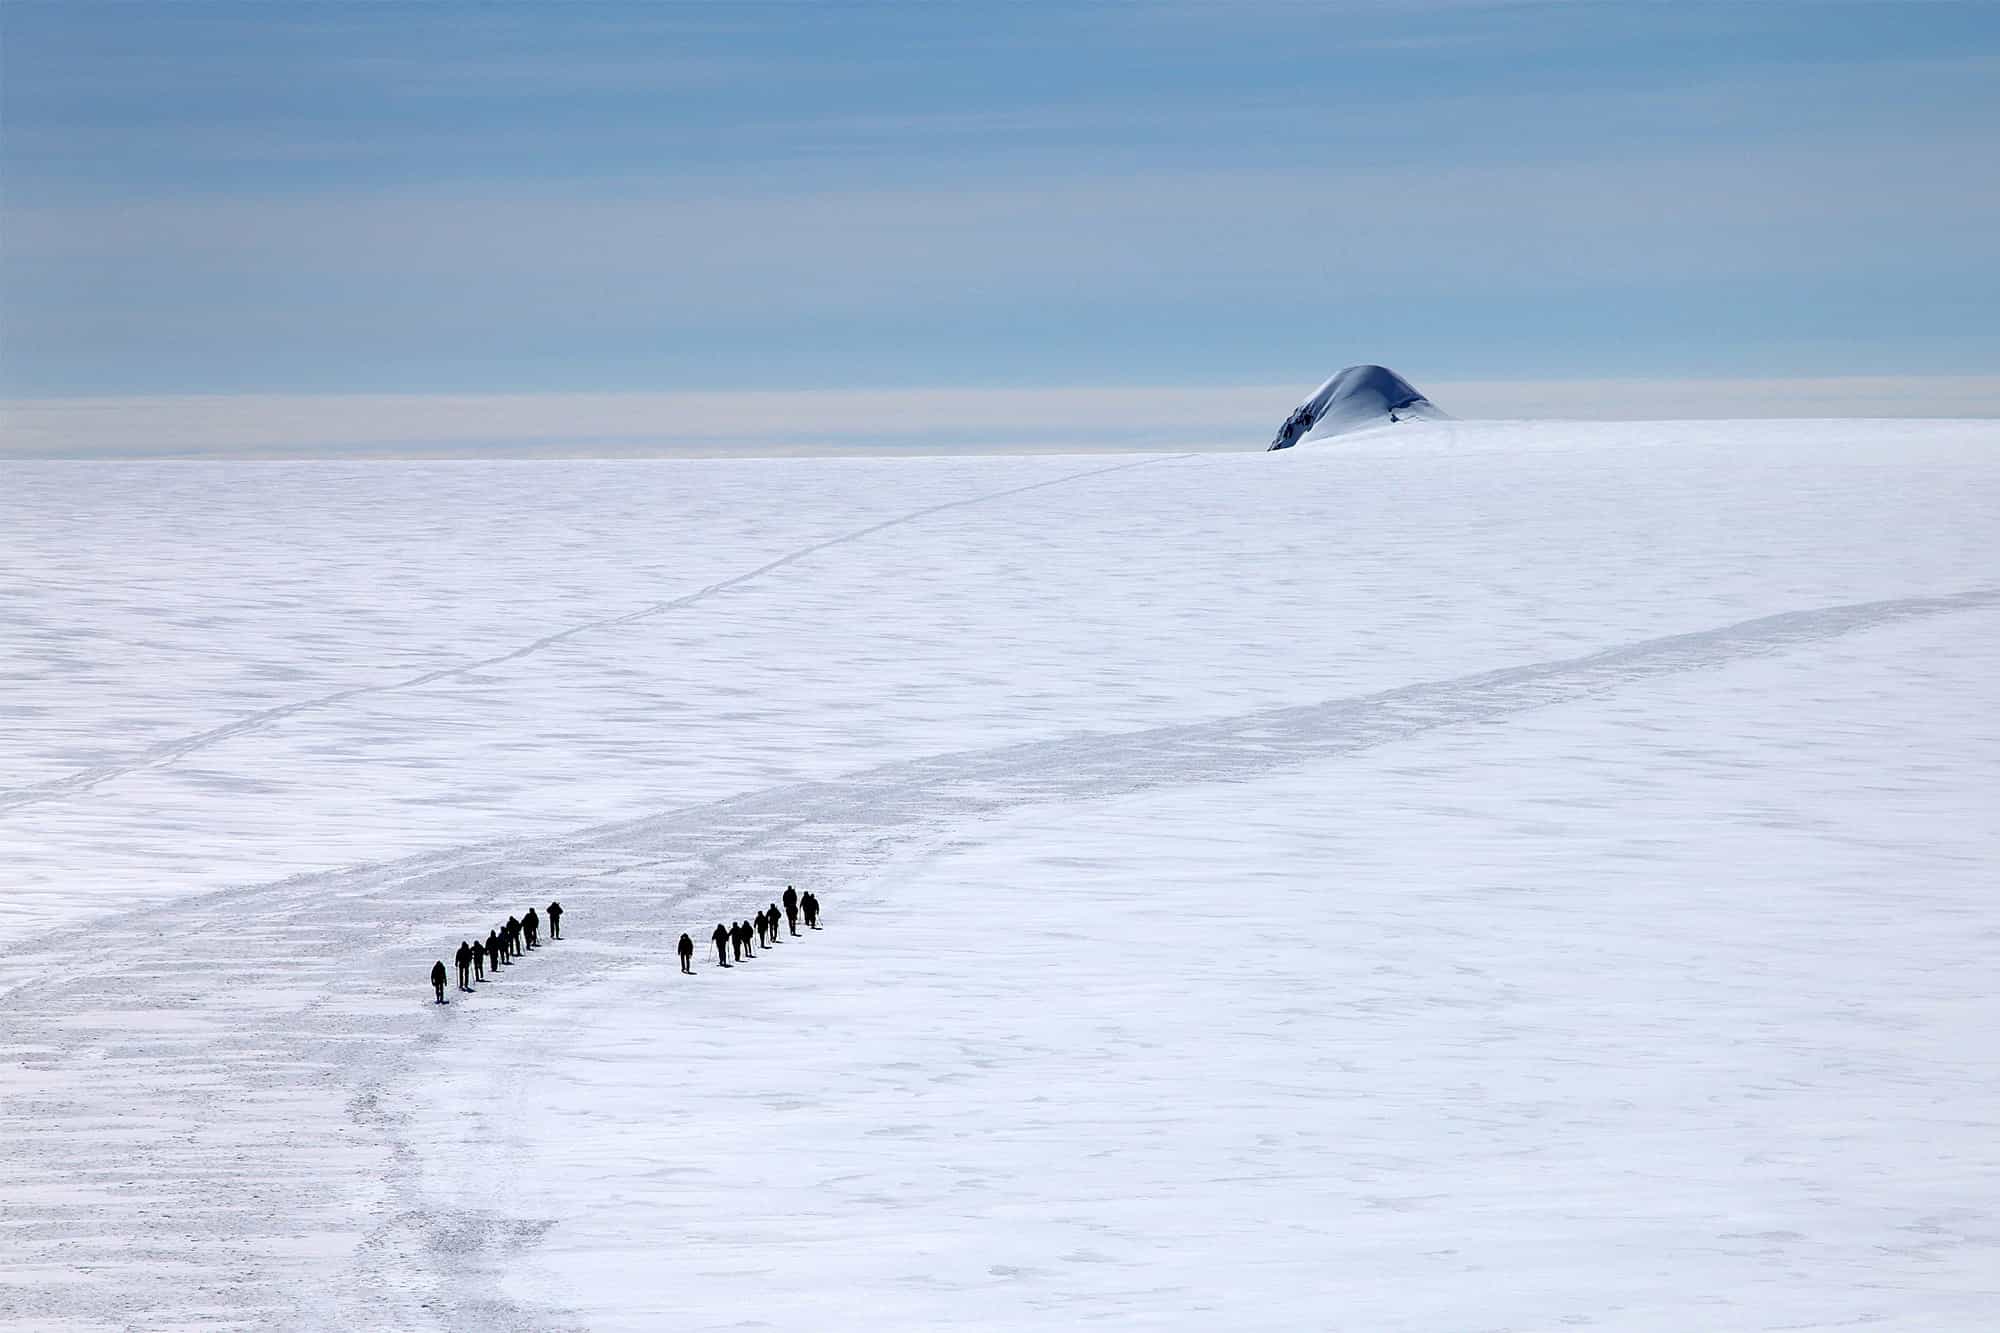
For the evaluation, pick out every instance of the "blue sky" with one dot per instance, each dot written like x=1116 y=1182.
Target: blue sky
x=428 y=198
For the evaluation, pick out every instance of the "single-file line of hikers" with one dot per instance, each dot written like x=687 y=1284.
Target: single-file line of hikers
x=507 y=942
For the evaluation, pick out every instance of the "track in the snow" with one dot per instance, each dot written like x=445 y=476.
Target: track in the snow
x=175 y=1154
x=168 y=751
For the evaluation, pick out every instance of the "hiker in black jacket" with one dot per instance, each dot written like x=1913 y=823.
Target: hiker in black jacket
x=555 y=921
x=438 y=979
x=494 y=951
x=792 y=909
x=531 y=926
x=687 y=954
x=464 y=960
x=722 y=938
x=513 y=936
x=478 y=959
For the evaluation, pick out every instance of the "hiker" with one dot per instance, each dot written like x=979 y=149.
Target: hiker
x=513 y=936
x=760 y=921
x=531 y=926
x=687 y=955
x=721 y=938
x=792 y=909
x=771 y=915
x=812 y=912
x=464 y=960
x=555 y=921
x=438 y=979
x=738 y=940
x=478 y=959
x=493 y=950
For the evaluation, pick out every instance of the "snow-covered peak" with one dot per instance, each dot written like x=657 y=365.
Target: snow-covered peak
x=1356 y=397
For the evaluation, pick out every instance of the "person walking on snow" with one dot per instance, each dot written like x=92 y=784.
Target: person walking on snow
x=763 y=923
x=555 y=921
x=438 y=980
x=792 y=909
x=531 y=926
x=493 y=951
x=687 y=955
x=771 y=915
x=812 y=911
x=513 y=936
x=721 y=938
x=478 y=959
x=464 y=960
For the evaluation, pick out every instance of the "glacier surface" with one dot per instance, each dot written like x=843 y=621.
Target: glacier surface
x=1485 y=875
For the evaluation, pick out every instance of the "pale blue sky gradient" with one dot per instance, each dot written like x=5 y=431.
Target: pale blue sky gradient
x=418 y=198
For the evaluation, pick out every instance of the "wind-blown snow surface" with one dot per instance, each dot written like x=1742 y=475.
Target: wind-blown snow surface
x=1483 y=876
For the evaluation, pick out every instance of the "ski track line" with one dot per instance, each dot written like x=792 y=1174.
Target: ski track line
x=162 y=753
x=203 y=1101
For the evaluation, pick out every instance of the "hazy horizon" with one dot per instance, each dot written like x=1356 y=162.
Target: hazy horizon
x=859 y=421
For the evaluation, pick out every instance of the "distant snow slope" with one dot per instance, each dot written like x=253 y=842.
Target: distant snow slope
x=1352 y=399
x=1494 y=876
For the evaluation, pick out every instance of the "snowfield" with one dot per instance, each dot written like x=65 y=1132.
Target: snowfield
x=1468 y=876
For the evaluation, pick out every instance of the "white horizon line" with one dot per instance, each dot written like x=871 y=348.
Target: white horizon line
x=898 y=420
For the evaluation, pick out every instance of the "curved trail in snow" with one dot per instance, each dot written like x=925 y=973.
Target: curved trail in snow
x=166 y=752
x=173 y=1075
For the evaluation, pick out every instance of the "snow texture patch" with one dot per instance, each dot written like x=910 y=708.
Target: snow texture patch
x=177 y=748
x=1627 y=1015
